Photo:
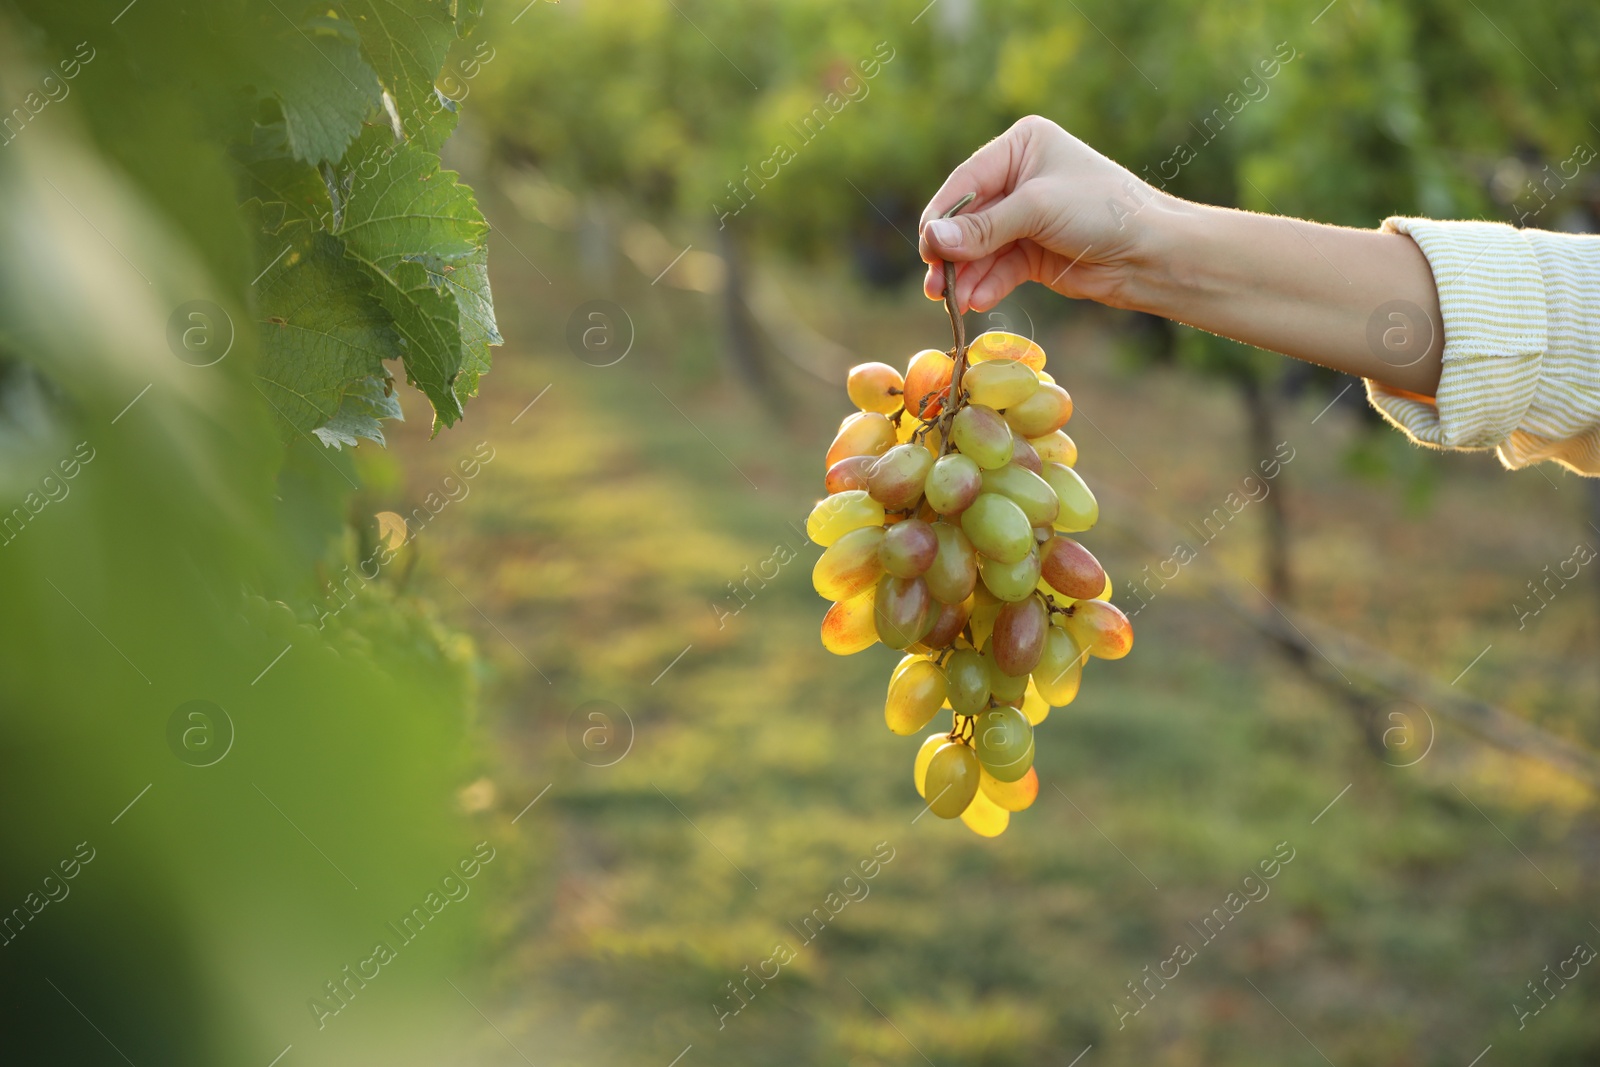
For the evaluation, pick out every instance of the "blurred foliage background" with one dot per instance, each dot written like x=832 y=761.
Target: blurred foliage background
x=738 y=185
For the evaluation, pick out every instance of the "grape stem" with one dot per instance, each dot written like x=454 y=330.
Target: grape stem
x=958 y=330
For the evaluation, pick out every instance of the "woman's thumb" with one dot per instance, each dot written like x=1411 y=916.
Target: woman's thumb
x=981 y=233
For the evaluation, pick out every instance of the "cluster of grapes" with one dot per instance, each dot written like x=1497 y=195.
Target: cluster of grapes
x=951 y=495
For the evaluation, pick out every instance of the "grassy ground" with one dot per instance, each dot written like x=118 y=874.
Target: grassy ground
x=592 y=559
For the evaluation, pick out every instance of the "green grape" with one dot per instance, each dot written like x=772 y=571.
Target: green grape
x=1046 y=411
x=849 y=565
x=919 y=768
x=895 y=479
x=1079 y=509
x=1011 y=581
x=955 y=568
x=981 y=434
x=995 y=525
x=902 y=610
x=1004 y=687
x=952 y=780
x=915 y=695
x=999 y=383
x=1019 y=634
x=1026 y=489
x=908 y=548
x=837 y=515
x=953 y=484
x=967 y=681
x=1060 y=668
x=1002 y=739
x=1070 y=569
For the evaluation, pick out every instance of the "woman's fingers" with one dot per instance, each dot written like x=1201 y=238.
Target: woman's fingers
x=976 y=234
x=991 y=172
x=988 y=287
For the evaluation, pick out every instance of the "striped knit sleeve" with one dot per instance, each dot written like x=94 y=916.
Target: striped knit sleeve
x=1521 y=366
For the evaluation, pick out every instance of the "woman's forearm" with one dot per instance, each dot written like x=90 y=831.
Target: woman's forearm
x=1359 y=301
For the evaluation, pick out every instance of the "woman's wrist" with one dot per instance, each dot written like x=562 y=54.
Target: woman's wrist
x=1304 y=289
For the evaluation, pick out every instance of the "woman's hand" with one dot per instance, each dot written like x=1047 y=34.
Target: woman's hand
x=1050 y=209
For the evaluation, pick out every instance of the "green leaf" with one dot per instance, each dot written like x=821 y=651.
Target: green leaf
x=321 y=331
x=468 y=13
x=405 y=221
x=323 y=86
x=406 y=42
x=468 y=281
x=279 y=190
x=360 y=414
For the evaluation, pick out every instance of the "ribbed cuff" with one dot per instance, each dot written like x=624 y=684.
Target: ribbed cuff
x=1492 y=299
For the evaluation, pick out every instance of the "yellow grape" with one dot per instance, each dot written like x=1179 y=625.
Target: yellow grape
x=875 y=387
x=983 y=816
x=951 y=779
x=837 y=515
x=849 y=565
x=1011 y=796
x=919 y=769
x=927 y=378
x=1046 y=411
x=981 y=623
x=1055 y=447
x=1100 y=628
x=1079 y=509
x=849 y=626
x=998 y=344
x=1060 y=669
x=1034 y=706
x=1105 y=594
x=866 y=433
x=915 y=696
x=999 y=384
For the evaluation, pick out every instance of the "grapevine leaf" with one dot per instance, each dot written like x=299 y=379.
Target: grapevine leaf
x=324 y=88
x=406 y=42
x=468 y=12
x=365 y=404
x=468 y=280
x=320 y=329
x=405 y=224
x=280 y=190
